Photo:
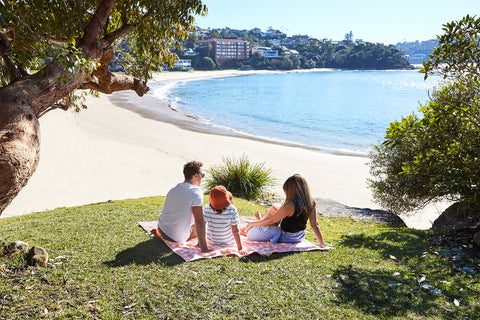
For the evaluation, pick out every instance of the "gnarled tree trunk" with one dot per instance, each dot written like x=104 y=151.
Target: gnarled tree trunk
x=27 y=97
x=19 y=145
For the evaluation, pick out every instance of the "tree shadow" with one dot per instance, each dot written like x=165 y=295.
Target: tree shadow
x=380 y=294
x=144 y=253
x=384 y=295
x=410 y=243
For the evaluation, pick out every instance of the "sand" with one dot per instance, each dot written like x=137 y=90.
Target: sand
x=109 y=152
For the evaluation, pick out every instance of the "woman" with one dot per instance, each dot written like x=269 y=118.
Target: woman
x=294 y=213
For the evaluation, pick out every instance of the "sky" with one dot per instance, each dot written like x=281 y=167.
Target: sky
x=382 y=21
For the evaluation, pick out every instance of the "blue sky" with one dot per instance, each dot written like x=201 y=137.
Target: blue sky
x=385 y=21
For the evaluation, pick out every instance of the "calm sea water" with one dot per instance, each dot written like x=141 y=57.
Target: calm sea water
x=338 y=110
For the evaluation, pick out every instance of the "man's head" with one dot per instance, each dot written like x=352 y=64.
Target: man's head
x=193 y=172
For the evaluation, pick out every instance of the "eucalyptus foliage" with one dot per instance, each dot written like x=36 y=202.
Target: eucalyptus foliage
x=51 y=49
x=435 y=155
x=42 y=31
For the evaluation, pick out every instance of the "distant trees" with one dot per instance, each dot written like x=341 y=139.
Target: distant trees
x=349 y=37
x=437 y=155
x=353 y=55
x=204 y=63
x=313 y=53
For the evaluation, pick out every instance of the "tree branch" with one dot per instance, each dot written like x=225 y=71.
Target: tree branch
x=114 y=35
x=78 y=3
x=94 y=29
x=14 y=71
x=52 y=39
x=52 y=107
x=118 y=82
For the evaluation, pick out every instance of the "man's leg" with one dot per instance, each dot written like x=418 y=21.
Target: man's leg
x=164 y=236
x=193 y=232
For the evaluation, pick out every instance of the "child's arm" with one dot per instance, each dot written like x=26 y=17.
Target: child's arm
x=236 y=235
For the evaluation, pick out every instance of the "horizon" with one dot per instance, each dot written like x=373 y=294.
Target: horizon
x=370 y=21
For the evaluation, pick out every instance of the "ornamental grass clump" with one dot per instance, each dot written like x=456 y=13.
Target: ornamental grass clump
x=241 y=177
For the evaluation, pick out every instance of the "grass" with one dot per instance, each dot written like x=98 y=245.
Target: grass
x=107 y=268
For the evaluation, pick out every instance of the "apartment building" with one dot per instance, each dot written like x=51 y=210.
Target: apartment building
x=226 y=49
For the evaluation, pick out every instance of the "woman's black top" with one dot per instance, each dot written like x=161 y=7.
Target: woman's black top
x=297 y=222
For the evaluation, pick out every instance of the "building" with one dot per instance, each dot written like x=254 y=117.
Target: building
x=266 y=52
x=226 y=49
x=183 y=65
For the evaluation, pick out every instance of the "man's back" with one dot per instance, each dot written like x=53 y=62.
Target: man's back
x=176 y=218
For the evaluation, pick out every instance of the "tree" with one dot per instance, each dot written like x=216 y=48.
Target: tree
x=206 y=63
x=46 y=57
x=349 y=37
x=436 y=156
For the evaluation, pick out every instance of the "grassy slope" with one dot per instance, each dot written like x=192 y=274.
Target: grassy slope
x=113 y=270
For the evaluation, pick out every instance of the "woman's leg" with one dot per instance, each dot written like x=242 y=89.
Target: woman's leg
x=291 y=237
x=264 y=234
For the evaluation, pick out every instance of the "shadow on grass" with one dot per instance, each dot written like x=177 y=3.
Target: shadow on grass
x=258 y=258
x=380 y=294
x=144 y=253
x=400 y=244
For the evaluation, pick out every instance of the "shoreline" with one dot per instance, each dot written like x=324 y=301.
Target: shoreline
x=164 y=112
x=107 y=152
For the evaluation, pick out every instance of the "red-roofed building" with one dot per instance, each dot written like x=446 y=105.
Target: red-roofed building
x=226 y=49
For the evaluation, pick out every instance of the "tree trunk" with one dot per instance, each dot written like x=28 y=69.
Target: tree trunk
x=27 y=97
x=19 y=145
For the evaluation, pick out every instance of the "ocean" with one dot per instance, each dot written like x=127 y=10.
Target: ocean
x=333 y=111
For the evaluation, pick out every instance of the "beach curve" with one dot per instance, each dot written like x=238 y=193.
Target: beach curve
x=110 y=153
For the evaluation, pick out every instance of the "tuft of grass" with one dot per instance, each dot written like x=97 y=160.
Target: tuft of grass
x=241 y=177
x=103 y=266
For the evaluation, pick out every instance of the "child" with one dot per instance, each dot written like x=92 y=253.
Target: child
x=222 y=219
x=269 y=233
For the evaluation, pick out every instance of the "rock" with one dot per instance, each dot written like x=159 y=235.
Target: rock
x=37 y=256
x=460 y=215
x=476 y=238
x=331 y=208
x=16 y=246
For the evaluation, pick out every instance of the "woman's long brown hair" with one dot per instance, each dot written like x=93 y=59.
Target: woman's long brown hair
x=297 y=191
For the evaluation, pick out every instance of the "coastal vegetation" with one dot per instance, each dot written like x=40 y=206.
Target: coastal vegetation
x=49 y=49
x=434 y=155
x=103 y=266
x=243 y=178
x=301 y=52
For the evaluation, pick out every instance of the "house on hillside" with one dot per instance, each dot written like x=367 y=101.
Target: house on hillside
x=184 y=65
x=266 y=52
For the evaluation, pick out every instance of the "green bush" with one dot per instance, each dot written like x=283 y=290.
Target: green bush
x=436 y=155
x=241 y=177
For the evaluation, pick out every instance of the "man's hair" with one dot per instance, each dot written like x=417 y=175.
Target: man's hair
x=191 y=168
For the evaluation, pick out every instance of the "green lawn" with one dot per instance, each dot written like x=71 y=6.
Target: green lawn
x=106 y=267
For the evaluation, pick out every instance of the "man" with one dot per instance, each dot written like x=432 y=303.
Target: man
x=182 y=215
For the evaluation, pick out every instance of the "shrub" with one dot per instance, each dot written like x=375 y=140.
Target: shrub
x=241 y=177
x=436 y=156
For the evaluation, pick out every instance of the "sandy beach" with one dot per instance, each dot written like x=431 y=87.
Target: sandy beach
x=110 y=152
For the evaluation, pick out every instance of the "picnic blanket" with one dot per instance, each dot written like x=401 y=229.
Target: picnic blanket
x=189 y=252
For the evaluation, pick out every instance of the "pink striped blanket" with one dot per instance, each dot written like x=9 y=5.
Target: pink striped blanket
x=189 y=252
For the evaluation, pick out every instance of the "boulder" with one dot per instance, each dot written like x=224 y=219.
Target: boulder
x=460 y=215
x=16 y=246
x=37 y=256
x=332 y=208
x=476 y=239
